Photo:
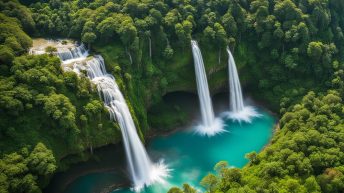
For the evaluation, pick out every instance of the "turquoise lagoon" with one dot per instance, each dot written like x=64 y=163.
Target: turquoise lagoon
x=190 y=156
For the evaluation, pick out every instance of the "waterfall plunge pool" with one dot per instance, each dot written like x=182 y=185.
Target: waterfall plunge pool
x=189 y=155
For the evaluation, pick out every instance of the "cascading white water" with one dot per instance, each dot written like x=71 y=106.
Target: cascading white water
x=71 y=54
x=68 y=52
x=202 y=86
x=142 y=171
x=210 y=126
x=236 y=100
x=238 y=111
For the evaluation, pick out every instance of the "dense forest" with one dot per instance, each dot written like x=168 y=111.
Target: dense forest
x=290 y=55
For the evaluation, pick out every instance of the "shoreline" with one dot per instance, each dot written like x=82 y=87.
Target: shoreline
x=275 y=129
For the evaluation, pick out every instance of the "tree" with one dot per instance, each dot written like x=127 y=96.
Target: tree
x=127 y=31
x=331 y=180
x=209 y=34
x=188 y=189
x=6 y=55
x=175 y=190
x=41 y=160
x=232 y=175
x=20 y=171
x=21 y=13
x=220 y=167
x=171 y=19
x=286 y=11
x=89 y=37
x=59 y=107
x=50 y=50
x=252 y=156
x=209 y=182
x=70 y=79
x=107 y=28
x=312 y=185
x=168 y=52
x=93 y=108
x=4 y=185
x=183 y=31
x=13 y=43
x=229 y=24
x=314 y=50
x=14 y=169
x=292 y=186
x=220 y=37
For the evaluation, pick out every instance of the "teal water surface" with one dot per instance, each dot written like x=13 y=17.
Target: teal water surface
x=191 y=156
x=92 y=182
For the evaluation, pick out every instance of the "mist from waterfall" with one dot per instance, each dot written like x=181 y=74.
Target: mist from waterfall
x=238 y=111
x=211 y=125
x=143 y=172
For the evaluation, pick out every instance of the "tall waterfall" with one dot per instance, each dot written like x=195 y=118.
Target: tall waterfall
x=236 y=100
x=143 y=171
x=210 y=126
x=238 y=111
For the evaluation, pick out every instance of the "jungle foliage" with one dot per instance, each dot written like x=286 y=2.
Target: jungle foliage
x=289 y=54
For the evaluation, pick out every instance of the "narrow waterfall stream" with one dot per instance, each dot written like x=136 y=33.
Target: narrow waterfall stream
x=211 y=126
x=143 y=171
x=238 y=111
x=236 y=101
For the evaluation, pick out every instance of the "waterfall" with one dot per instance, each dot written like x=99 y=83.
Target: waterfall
x=143 y=172
x=236 y=100
x=210 y=126
x=72 y=54
x=202 y=86
x=68 y=52
x=238 y=111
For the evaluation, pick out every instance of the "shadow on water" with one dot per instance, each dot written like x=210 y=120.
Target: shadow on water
x=106 y=166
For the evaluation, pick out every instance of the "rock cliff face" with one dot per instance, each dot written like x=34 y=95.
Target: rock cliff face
x=145 y=85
